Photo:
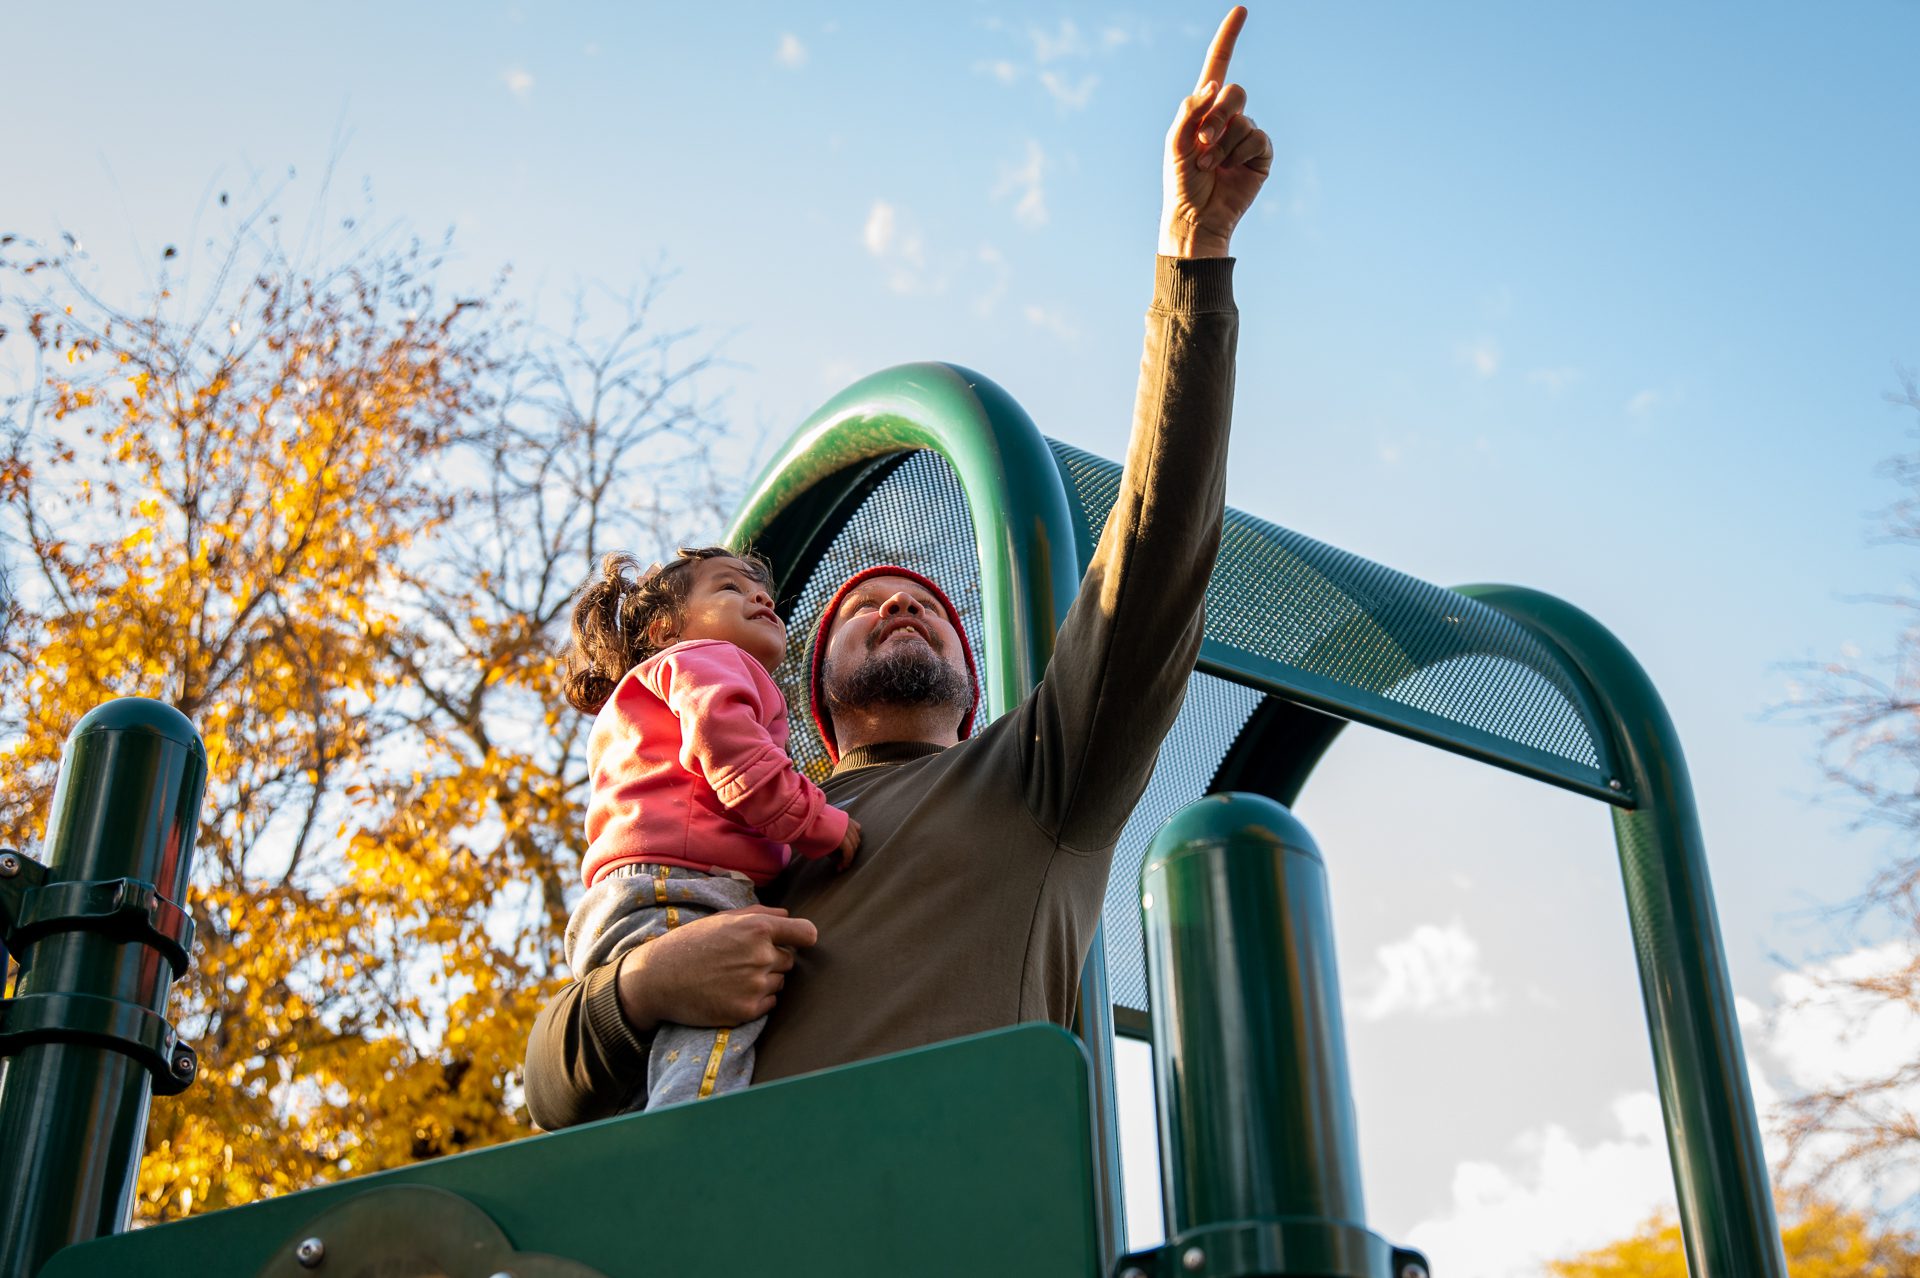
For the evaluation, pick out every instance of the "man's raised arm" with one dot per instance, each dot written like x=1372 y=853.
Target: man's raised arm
x=1123 y=655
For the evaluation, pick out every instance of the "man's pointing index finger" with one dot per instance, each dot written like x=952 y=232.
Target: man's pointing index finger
x=1221 y=52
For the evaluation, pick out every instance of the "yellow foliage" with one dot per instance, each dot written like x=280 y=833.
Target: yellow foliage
x=266 y=536
x=1821 y=1240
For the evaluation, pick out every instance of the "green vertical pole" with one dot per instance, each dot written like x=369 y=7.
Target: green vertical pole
x=1259 y=1150
x=100 y=938
x=1713 y=1135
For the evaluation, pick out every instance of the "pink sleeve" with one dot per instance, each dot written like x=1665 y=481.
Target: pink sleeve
x=724 y=705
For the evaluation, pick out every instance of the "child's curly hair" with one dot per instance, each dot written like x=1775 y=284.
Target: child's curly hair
x=614 y=618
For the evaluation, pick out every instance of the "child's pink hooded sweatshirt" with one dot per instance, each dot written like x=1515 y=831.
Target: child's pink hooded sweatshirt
x=689 y=766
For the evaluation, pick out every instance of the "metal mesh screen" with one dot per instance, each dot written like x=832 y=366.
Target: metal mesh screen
x=1289 y=612
x=916 y=518
x=1373 y=643
x=1210 y=719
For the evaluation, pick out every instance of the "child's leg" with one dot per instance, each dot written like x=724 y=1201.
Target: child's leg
x=622 y=913
x=688 y=1064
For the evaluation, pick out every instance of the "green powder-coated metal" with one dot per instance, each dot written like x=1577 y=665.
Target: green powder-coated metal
x=1713 y=1136
x=959 y=1160
x=73 y=1105
x=1256 y=1113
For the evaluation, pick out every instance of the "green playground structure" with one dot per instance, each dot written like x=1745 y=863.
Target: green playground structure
x=993 y=1154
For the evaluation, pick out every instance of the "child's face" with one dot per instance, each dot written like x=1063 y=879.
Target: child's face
x=728 y=601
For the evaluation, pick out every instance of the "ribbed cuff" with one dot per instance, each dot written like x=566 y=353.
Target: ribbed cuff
x=617 y=1040
x=1193 y=284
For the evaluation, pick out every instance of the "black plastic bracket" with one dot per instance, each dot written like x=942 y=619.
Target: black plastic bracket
x=107 y=1022
x=1307 y=1246
x=126 y=910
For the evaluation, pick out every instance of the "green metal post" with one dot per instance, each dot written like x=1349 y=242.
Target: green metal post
x=1719 y=1166
x=1259 y=1153
x=99 y=938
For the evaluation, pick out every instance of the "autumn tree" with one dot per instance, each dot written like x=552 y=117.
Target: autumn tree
x=1866 y=709
x=1820 y=1239
x=334 y=516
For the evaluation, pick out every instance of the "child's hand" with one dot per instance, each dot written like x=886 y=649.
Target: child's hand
x=850 y=844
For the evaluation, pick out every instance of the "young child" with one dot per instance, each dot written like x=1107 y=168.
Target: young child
x=694 y=802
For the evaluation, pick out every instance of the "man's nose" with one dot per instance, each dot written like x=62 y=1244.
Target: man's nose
x=899 y=603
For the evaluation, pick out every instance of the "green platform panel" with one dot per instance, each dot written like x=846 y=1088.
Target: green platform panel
x=967 y=1158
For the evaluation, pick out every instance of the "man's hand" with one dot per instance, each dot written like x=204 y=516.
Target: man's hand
x=1216 y=161
x=722 y=970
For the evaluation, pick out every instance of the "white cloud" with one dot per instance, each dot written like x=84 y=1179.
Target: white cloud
x=996 y=263
x=1064 y=41
x=1030 y=210
x=1000 y=69
x=1434 y=972
x=519 y=82
x=1483 y=357
x=1561 y=1198
x=791 y=52
x=1073 y=95
x=1052 y=321
x=1642 y=404
x=1388 y=453
x=897 y=246
x=1554 y=379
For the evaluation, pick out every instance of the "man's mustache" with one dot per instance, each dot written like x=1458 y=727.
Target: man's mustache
x=882 y=633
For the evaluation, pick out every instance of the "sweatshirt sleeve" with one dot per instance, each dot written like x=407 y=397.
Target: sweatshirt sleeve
x=1092 y=729
x=725 y=711
x=583 y=1060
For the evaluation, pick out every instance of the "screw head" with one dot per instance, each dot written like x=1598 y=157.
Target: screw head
x=1615 y=784
x=1192 y=1258
x=1413 y=1269
x=184 y=1066
x=9 y=865
x=1133 y=1271
x=310 y=1253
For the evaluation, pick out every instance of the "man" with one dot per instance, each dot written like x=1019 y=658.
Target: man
x=984 y=858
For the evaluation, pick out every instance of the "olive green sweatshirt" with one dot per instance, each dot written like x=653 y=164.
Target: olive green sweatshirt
x=983 y=865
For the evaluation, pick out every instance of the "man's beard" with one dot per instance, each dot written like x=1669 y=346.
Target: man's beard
x=910 y=675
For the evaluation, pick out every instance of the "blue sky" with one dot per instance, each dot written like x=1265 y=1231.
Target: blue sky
x=1598 y=299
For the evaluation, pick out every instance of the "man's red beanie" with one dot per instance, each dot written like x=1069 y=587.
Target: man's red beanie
x=816 y=681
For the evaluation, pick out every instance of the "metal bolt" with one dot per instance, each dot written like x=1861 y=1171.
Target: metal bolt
x=9 y=865
x=1615 y=784
x=501 y=1273
x=1192 y=1258
x=1133 y=1271
x=1413 y=1268
x=184 y=1065
x=310 y=1253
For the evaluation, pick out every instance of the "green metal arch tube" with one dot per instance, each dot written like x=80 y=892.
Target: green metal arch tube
x=1029 y=573
x=73 y=1112
x=1713 y=1135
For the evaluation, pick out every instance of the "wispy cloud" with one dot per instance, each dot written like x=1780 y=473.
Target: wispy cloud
x=1026 y=179
x=1554 y=379
x=1482 y=356
x=1643 y=403
x=1052 y=55
x=1434 y=972
x=1052 y=321
x=1552 y=1197
x=999 y=277
x=897 y=246
x=791 y=53
x=519 y=82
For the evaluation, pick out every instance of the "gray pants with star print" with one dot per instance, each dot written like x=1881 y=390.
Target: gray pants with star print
x=632 y=906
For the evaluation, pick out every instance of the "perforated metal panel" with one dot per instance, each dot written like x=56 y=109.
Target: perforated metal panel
x=916 y=518
x=1376 y=645
x=1284 y=613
